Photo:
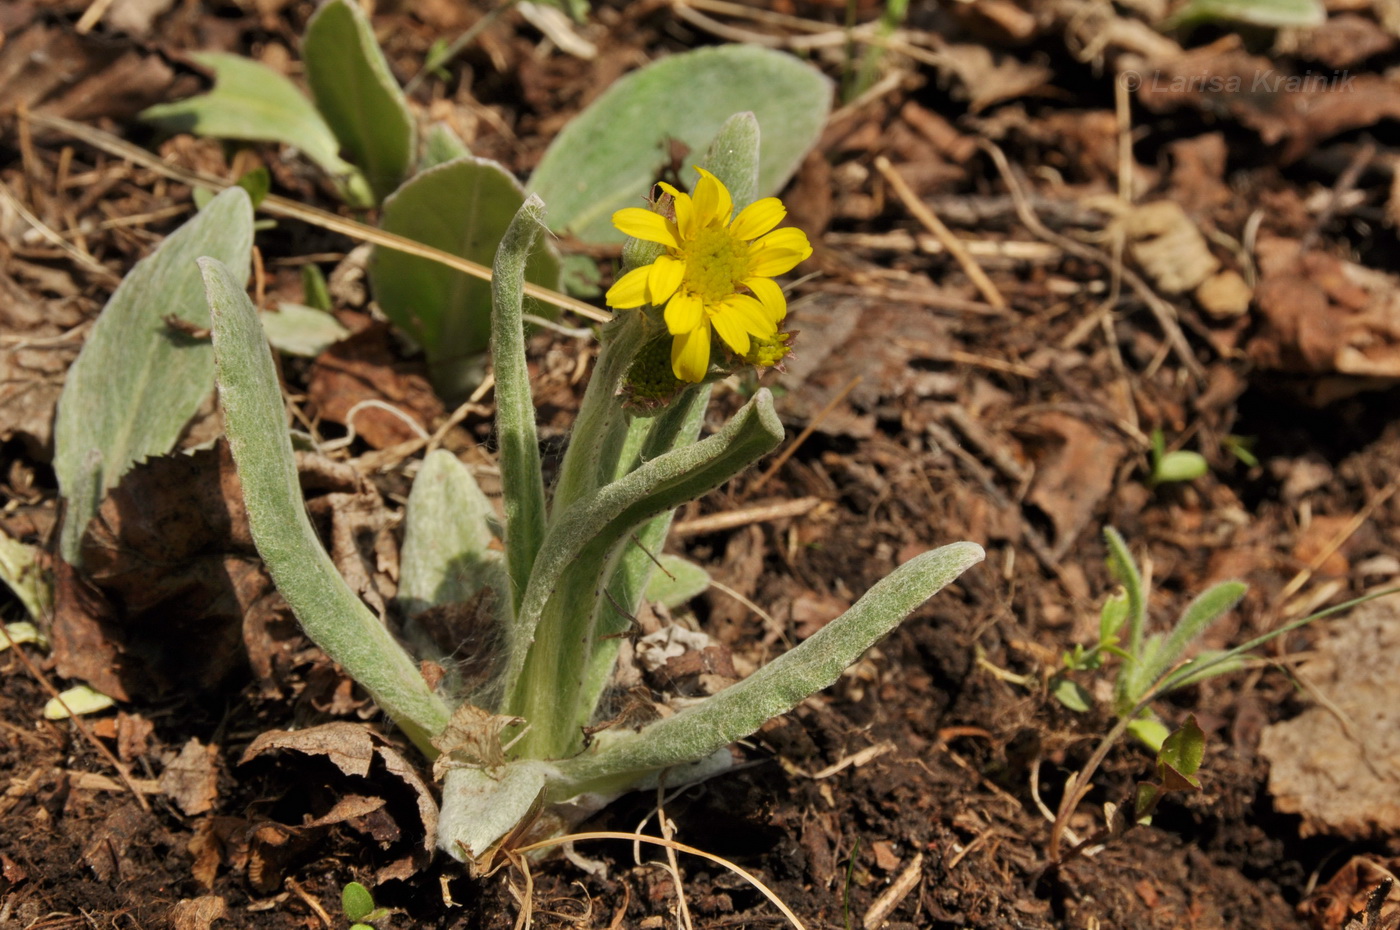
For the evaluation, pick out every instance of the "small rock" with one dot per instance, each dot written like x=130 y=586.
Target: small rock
x=1224 y=295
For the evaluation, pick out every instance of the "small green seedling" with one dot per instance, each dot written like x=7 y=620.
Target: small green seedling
x=1143 y=659
x=1178 y=761
x=1242 y=448
x=357 y=904
x=1273 y=14
x=1179 y=754
x=1175 y=466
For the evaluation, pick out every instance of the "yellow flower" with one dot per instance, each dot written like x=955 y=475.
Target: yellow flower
x=713 y=273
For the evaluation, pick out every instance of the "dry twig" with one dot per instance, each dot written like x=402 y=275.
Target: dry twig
x=281 y=206
x=945 y=235
x=1163 y=311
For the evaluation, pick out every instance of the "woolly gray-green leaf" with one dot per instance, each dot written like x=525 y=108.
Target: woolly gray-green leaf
x=441 y=146
x=447 y=556
x=522 y=482
x=605 y=158
x=357 y=94
x=779 y=686
x=463 y=207
x=250 y=101
x=330 y=613
x=678 y=426
x=138 y=381
x=678 y=581
x=556 y=626
x=299 y=330
x=1198 y=616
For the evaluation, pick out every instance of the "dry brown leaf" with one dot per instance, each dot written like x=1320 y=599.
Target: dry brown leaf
x=348 y=807
x=191 y=779
x=1343 y=41
x=1349 y=891
x=842 y=337
x=986 y=79
x=54 y=70
x=365 y=367
x=32 y=369
x=349 y=746
x=353 y=748
x=171 y=577
x=472 y=737
x=1335 y=764
x=1074 y=473
x=1324 y=315
x=1197 y=179
x=1320 y=532
x=1297 y=110
x=109 y=841
x=198 y=913
x=1168 y=246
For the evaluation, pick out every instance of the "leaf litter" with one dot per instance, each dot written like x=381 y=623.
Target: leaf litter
x=1046 y=450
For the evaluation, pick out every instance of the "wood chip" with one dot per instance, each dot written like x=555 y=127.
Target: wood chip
x=891 y=897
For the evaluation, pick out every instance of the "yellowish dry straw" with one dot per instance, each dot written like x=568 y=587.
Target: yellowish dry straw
x=679 y=847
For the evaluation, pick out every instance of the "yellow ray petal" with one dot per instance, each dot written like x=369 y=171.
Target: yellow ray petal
x=730 y=327
x=712 y=200
x=747 y=313
x=666 y=275
x=690 y=354
x=758 y=217
x=685 y=210
x=630 y=290
x=645 y=225
x=684 y=313
x=770 y=295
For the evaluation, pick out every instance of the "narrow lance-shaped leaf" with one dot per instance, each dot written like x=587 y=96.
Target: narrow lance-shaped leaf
x=779 y=686
x=357 y=94
x=1198 y=616
x=678 y=426
x=251 y=101
x=555 y=626
x=522 y=484
x=138 y=381
x=1125 y=570
x=329 y=611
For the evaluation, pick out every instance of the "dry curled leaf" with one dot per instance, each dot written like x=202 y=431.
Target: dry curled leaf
x=1334 y=763
x=1168 y=246
x=354 y=749
x=191 y=779
x=472 y=737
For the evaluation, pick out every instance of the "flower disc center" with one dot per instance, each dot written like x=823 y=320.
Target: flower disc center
x=715 y=263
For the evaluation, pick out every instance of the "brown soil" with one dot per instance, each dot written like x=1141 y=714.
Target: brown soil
x=1015 y=416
